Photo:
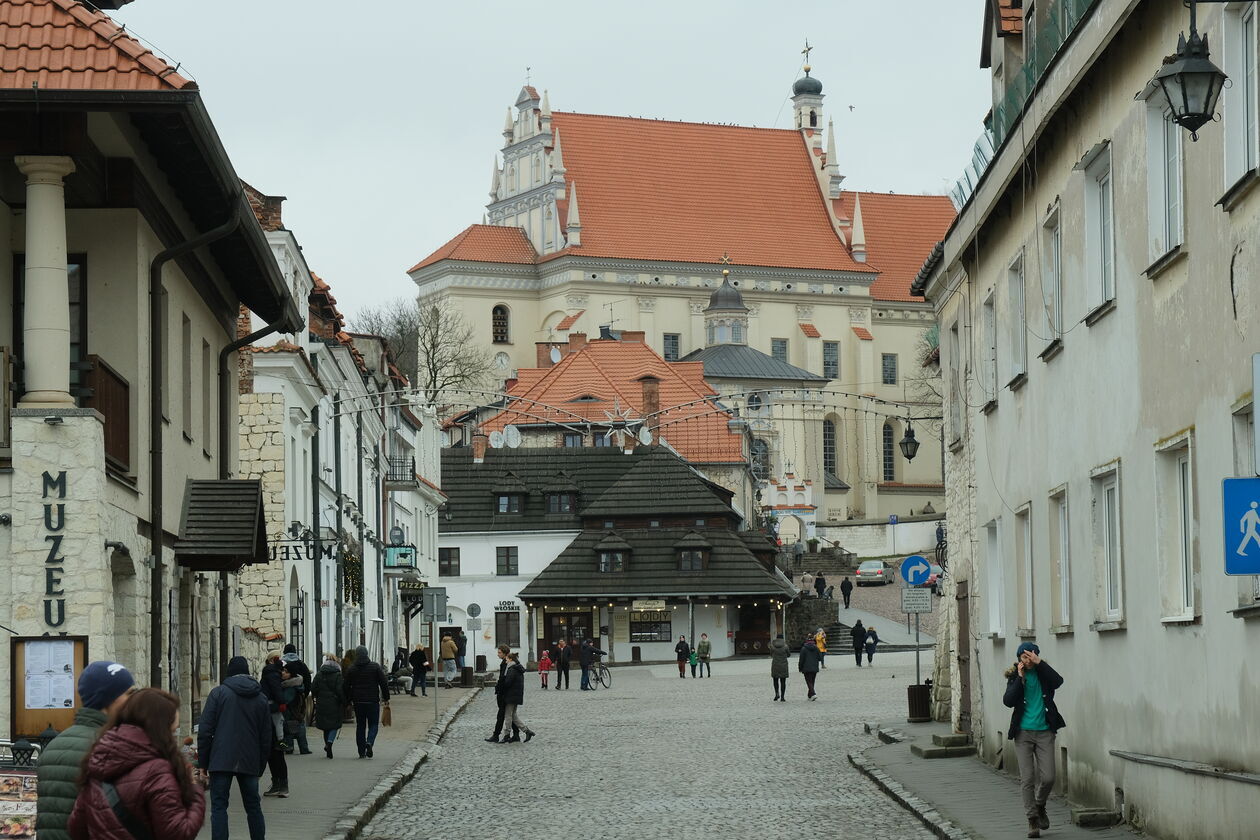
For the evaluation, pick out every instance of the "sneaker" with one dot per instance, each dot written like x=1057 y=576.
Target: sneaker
x=369 y=752
x=1043 y=819
x=1034 y=830
x=493 y=739
x=277 y=790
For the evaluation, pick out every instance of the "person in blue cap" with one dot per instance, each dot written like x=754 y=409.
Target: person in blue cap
x=1030 y=687
x=103 y=688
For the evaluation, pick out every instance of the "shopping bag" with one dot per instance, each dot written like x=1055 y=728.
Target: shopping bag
x=387 y=716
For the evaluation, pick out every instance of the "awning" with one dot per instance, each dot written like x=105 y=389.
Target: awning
x=222 y=527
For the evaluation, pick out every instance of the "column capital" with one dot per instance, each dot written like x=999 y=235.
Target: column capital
x=44 y=169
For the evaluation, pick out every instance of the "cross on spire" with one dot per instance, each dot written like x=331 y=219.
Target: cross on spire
x=808 y=49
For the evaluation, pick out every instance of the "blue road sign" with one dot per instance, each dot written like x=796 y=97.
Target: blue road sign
x=1241 y=514
x=915 y=569
x=892 y=519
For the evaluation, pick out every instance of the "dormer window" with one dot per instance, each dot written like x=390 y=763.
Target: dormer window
x=612 y=561
x=612 y=553
x=561 y=502
x=693 y=560
x=510 y=502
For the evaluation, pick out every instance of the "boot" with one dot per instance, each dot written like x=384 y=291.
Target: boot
x=529 y=733
x=493 y=739
x=276 y=789
x=328 y=750
x=1043 y=819
x=1034 y=830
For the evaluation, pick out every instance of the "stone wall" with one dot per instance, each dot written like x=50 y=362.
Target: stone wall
x=261 y=612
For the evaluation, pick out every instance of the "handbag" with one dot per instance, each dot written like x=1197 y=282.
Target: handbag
x=387 y=716
x=128 y=820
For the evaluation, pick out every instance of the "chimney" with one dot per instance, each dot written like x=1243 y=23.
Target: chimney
x=634 y=335
x=245 y=358
x=542 y=353
x=479 y=442
x=651 y=400
x=605 y=332
x=576 y=341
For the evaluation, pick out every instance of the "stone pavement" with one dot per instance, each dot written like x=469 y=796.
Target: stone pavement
x=890 y=632
x=964 y=796
x=321 y=791
x=660 y=757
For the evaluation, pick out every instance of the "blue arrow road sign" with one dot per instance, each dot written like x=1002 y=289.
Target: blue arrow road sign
x=915 y=569
x=1241 y=513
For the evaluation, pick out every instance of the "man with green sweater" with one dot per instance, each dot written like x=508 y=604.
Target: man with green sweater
x=103 y=688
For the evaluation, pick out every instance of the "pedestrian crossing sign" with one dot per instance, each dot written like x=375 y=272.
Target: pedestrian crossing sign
x=1241 y=514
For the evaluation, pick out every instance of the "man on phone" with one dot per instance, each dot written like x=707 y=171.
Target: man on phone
x=1030 y=687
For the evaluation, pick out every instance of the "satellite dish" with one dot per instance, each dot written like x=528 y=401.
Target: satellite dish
x=555 y=355
x=512 y=436
x=497 y=439
x=645 y=437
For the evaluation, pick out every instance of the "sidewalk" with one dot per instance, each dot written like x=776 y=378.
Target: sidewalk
x=891 y=633
x=321 y=791
x=960 y=798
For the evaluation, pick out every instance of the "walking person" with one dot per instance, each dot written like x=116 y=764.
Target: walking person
x=273 y=688
x=297 y=668
x=779 y=654
x=234 y=742
x=500 y=684
x=820 y=584
x=872 y=640
x=562 y=659
x=103 y=688
x=135 y=780
x=683 y=651
x=514 y=697
x=1035 y=720
x=328 y=689
x=705 y=651
x=448 y=652
x=858 y=633
x=820 y=641
x=586 y=656
x=846 y=590
x=367 y=688
x=807 y=583
x=808 y=663
x=294 y=716
x=544 y=668
x=419 y=662
x=461 y=650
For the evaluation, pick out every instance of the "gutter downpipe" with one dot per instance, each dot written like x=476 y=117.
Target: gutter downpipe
x=157 y=345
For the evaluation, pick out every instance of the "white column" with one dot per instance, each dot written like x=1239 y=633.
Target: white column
x=46 y=309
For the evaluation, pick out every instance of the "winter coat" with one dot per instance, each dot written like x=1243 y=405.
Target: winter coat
x=872 y=639
x=820 y=639
x=1014 y=697
x=683 y=650
x=461 y=645
x=498 y=684
x=328 y=688
x=449 y=650
x=59 y=766
x=858 y=634
x=779 y=654
x=235 y=734
x=544 y=662
x=820 y=584
x=563 y=657
x=511 y=688
x=366 y=683
x=704 y=649
x=273 y=684
x=846 y=587
x=809 y=660
x=147 y=786
x=298 y=668
x=419 y=662
x=586 y=655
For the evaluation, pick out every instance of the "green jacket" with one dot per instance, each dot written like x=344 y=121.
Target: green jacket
x=704 y=649
x=59 y=773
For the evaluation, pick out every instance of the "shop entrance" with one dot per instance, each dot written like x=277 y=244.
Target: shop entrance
x=571 y=626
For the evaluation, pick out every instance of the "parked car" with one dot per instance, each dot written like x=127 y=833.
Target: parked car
x=934 y=578
x=872 y=572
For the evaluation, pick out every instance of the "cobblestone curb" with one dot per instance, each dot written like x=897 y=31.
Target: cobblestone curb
x=357 y=817
x=926 y=813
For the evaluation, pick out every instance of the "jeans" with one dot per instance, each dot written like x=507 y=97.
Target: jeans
x=510 y=716
x=857 y=653
x=562 y=676
x=846 y=598
x=693 y=671
x=367 y=717
x=810 y=676
x=220 y=793
x=780 y=686
x=822 y=659
x=278 y=766
x=448 y=669
x=330 y=735
x=1035 y=752
x=704 y=665
x=586 y=677
x=459 y=661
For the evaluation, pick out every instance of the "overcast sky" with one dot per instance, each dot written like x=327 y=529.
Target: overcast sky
x=379 y=120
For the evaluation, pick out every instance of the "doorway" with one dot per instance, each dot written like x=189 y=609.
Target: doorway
x=570 y=626
x=963 y=648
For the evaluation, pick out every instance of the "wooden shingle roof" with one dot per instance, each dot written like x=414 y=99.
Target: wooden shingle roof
x=222 y=527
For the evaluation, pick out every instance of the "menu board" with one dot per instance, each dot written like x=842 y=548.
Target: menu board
x=17 y=804
x=49 y=674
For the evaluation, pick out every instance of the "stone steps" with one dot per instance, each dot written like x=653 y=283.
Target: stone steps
x=923 y=751
x=955 y=740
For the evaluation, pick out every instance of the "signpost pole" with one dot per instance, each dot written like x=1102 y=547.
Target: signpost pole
x=917 y=681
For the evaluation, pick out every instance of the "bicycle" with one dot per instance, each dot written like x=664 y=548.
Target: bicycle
x=599 y=674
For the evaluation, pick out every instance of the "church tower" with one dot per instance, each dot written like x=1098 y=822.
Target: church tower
x=524 y=191
x=726 y=316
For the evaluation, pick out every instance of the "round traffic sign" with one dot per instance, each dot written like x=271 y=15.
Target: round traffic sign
x=474 y=610
x=915 y=570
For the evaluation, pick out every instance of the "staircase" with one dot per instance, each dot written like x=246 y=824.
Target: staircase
x=945 y=746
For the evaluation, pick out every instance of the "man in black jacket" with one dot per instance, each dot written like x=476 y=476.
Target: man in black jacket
x=858 y=635
x=1030 y=687
x=586 y=656
x=273 y=690
x=234 y=741
x=563 y=658
x=367 y=688
x=499 y=685
x=293 y=663
x=419 y=665
x=846 y=590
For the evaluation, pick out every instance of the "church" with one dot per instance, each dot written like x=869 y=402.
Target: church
x=732 y=246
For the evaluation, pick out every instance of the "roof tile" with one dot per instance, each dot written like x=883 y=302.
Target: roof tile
x=863 y=333
x=484 y=243
x=810 y=331
x=901 y=231
x=570 y=320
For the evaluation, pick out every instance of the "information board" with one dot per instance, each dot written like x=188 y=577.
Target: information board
x=916 y=600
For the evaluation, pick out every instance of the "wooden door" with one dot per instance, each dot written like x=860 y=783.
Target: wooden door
x=963 y=649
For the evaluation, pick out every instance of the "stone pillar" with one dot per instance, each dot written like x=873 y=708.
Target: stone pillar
x=46 y=310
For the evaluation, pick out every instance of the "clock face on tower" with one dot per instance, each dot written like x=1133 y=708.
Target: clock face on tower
x=502 y=361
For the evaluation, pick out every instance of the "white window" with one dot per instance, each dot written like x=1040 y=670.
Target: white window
x=989 y=349
x=1061 y=559
x=1163 y=180
x=1239 y=106
x=994 y=577
x=1052 y=275
x=1110 y=542
x=1017 y=320
x=1100 y=246
x=1024 y=565
x=1176 y=533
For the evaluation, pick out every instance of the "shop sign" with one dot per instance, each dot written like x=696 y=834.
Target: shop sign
x=54 y=563
x=658 y=604
x=508 y=606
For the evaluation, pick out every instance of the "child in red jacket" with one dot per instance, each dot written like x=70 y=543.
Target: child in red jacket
x=544 y=667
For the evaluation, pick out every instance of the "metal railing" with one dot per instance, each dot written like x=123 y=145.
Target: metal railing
x=401 y=471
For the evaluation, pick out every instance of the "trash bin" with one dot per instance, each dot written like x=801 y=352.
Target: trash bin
x=920 y=697
x=636 y=654
x=481 y=663
x=466 y=677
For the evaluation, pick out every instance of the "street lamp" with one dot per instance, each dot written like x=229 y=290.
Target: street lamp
x=909 y=446
x=1190 y=82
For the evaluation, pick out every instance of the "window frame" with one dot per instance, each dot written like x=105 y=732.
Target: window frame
x=884 y=359
x=515 y=504
x=507 y=561
x=1059 y=526
x=556 y=503
x=500 y=324
x=450 y=561
x=507 y=628
x=995 y=579
x=612 y=562
x=1025 y=569
x=1017 y=321
x=1176 y=530
x=1100 y=240
x=570 y=437
x=988 y=335
x=780 y=350
x=888 y=453
x=1165 y=214
x=829 y=447
x=674 y=353
x=692 y=559
x=1109 y=551
x=1240 y=104
x=831 y=367
x=1052 y=274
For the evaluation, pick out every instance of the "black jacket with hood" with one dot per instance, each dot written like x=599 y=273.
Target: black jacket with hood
x=1014 y=697
x=235 y=732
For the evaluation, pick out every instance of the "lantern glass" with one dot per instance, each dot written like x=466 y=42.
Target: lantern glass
x=909 y=446
x=1191 y=84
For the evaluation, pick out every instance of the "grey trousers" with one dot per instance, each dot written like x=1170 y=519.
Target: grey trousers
x=1035 y=752
x=510 y=717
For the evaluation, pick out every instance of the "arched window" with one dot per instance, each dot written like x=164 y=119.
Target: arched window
x=499 y=324
x=760 y=459
x=890 y=453
x=813 y=119
x=829 y=448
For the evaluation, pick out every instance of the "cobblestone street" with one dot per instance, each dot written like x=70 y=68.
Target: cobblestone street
x=657 y=756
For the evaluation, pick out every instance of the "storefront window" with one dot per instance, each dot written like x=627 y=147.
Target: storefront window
x=651 y=626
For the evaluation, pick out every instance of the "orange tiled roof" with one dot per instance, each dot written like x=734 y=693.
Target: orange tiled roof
x=901 y=231
x=485 y=243
x=570 y=320
x=65 y=45
x=810 y=331
x=643 y=194
x=1010 y=19
x=610 y=371
x=863 y=333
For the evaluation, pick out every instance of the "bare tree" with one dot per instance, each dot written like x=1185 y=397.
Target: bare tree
x=926 y=387
x=432 y=342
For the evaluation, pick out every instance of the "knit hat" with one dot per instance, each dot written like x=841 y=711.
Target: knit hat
x=101 y=683
x=290 y=648
x=238 y=665
x=1025 y=647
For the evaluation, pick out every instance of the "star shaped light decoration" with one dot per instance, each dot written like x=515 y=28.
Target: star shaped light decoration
x=620 y=419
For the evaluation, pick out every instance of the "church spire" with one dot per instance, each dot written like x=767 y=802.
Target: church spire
x=509 y=127
x=557 y=159
x=834 y=178
x=573 y=224
x=858 y=246
x=494 y=181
